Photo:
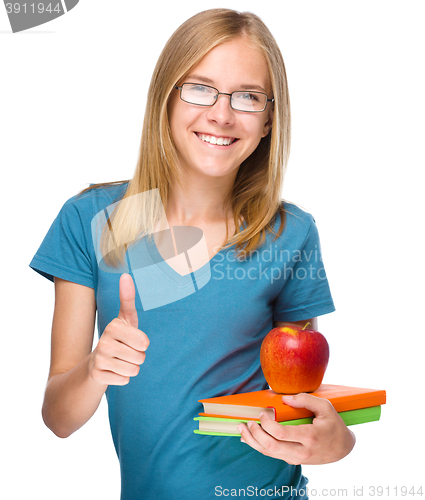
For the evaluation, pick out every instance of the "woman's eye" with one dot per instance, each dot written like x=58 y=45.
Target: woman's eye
x=248 y=96
x=200 y=89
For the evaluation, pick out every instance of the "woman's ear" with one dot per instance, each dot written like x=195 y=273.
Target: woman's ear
x=268 y=124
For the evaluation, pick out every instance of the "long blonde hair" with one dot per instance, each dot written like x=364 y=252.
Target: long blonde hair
x=257 y=189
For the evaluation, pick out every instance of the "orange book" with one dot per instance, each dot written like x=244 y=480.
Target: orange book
x=248 y=405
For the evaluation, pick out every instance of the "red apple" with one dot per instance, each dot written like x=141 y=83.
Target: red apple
x=294 y=360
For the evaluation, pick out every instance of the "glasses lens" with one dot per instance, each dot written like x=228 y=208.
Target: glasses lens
x=198 y=94
x=249 y=101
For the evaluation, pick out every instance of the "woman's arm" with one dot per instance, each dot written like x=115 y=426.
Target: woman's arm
x=78 y=377
x=71 y=396
x=326 y=440
x=311 y=326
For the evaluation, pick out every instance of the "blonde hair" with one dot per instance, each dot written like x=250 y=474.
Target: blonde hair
x=256 y=192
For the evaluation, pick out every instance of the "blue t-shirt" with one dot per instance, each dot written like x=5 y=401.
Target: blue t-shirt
x=204 y=344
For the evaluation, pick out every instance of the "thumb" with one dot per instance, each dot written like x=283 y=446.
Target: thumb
x=128 y=312
x=319 y=406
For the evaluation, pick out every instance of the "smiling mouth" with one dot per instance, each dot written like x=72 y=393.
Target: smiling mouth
x=218 y=141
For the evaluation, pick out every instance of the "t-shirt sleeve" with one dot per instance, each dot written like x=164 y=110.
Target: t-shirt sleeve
x=65 y=250
x=305 y=293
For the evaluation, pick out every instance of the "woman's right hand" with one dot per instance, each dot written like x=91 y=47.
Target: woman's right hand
x=121 y=347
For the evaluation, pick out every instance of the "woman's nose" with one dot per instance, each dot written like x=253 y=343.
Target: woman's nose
x=221 y=112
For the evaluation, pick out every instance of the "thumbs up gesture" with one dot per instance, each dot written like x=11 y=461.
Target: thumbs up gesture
x=121 y=348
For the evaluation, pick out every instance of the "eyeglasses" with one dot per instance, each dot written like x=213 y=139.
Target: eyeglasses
x=204 y=95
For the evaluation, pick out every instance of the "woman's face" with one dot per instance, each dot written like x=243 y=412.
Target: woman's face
x=229 y=67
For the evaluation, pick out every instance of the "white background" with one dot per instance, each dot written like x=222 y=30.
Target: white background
x=72 y=95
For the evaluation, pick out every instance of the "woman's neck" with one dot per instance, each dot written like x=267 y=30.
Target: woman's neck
x=201 y=202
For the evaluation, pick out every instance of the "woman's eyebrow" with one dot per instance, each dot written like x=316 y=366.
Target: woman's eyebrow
x=203 y=79
x=253 y=87
x=208 y=81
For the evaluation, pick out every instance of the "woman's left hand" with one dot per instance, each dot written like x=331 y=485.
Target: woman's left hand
x=327 y=439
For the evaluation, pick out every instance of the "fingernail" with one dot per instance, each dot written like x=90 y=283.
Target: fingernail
x=261 y=414
x=249 y=424
x=288 y=397
x=243 y=440
x=239 y=428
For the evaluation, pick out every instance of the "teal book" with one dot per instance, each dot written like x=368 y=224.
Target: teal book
x=219 y=426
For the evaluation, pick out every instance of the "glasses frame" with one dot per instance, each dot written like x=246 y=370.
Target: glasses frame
x=218 y=93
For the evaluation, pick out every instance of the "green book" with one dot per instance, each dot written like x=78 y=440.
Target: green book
x=218 y=426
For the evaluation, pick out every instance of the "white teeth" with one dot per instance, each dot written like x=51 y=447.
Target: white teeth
x=220 y=141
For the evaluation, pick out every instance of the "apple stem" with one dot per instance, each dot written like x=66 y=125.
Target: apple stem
x=306 y=325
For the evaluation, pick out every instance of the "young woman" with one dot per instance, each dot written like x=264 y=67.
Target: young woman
x=214 y=148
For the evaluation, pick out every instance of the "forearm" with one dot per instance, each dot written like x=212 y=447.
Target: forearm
x=71 y=398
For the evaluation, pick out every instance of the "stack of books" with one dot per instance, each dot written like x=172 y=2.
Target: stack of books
x=223 y=414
